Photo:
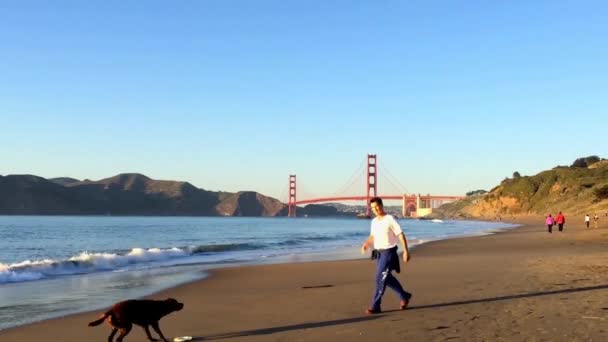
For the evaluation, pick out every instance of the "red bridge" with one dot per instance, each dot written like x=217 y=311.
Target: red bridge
x=412 y=205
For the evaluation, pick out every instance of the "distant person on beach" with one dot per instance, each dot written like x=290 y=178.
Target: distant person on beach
x=587 y=220
x=560 y=220
x=549 y=221
x=596 y=220
x=385 y=232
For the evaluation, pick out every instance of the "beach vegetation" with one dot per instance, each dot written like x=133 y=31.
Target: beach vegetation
x=476 y=192
x=516 y=175
x=569 y=189
x=601 y=193
x=585 y=161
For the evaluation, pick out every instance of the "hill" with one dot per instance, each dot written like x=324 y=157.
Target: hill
x=574 y=190
x=249 y=203
x=64 y=180
x=125 y=194
x=137 y=194
x=28 y=194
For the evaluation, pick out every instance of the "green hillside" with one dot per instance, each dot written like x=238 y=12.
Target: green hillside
x=578 y=189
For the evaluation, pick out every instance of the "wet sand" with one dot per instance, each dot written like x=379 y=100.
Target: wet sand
x=520 y=285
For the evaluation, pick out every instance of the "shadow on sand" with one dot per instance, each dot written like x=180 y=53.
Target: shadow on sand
x=518 y=296
x=266 y=331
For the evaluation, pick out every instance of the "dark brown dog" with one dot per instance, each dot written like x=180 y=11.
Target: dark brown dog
x=144 y=313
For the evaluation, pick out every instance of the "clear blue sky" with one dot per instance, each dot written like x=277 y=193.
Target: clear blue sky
x=235 y=95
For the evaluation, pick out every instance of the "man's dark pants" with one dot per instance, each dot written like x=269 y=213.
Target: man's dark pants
x=386 y=264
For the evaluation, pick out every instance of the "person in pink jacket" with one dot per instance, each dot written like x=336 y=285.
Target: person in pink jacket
x=549 y=221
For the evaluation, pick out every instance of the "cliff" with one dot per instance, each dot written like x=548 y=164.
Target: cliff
x=573 y=190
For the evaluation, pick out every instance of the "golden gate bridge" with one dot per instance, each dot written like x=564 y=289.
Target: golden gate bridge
x=413 y=205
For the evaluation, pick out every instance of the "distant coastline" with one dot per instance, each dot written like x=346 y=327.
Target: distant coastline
x=134 y=194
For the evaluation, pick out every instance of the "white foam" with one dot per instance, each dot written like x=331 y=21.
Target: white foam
x=415 y=242
x=84 y=262
x=7 y=276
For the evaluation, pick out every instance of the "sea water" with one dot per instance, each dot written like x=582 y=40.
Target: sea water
x=51 y=266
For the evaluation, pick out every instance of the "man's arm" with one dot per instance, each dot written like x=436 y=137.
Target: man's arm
x=367 y=243
x=406 y=252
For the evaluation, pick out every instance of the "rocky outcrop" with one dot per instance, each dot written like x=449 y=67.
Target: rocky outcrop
x=249 y=203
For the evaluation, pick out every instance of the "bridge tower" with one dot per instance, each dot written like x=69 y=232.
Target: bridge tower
x=371 y=180
x=291 y=205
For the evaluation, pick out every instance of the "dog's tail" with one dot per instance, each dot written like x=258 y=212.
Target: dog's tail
x=101 y=319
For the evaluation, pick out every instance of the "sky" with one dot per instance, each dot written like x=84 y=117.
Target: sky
x=232 y=95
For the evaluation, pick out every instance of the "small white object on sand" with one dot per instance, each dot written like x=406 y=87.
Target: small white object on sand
x=182 y=338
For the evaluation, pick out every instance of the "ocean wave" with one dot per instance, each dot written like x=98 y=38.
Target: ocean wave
x=138 y=258
x=89 y=262
x=202 y=249
x=318 y=238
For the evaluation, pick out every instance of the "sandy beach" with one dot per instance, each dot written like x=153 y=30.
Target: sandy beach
x=519 y=285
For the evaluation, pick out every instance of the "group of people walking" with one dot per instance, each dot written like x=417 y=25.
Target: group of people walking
x=559 y=220
x=596 y=220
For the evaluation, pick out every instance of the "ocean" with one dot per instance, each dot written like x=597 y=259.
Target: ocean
x=51 y=266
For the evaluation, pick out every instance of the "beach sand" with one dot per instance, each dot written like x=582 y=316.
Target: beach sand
x=520 y=285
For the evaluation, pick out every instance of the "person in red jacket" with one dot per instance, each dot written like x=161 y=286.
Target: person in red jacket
x=560 y=220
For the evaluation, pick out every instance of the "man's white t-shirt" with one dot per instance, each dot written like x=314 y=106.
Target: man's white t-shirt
x=385 y=232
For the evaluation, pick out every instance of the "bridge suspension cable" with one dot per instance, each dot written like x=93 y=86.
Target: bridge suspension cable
x=393 y=181
x=284 y=194
x=302 y=190
x=353 y=178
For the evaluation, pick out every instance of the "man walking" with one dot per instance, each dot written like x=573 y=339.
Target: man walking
x=385 y=232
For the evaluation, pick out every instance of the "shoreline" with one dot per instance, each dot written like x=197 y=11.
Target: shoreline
x=200 y=272
x=518 y=284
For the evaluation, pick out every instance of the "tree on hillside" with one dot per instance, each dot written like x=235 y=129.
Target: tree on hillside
x=516 y=175
x=592 y=160
x=580 y=162
x=476 y=192
x=586 y=161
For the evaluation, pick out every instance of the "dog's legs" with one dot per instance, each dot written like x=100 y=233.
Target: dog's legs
x=148 y=333
x=111 y=337
x=157 y=329
x=124 y=332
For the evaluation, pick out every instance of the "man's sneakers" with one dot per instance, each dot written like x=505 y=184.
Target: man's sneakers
x=404 y=303
x=371 y=311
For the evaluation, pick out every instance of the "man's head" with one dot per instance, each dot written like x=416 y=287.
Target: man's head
x=376 y=205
